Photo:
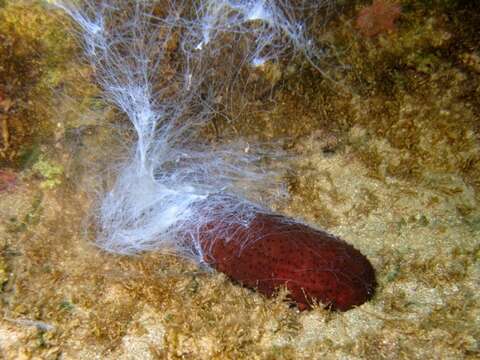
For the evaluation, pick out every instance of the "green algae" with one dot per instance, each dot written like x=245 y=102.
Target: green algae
x=50 y=172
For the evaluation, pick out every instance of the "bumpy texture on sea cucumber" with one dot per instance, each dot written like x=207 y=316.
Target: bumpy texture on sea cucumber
x=274 y=251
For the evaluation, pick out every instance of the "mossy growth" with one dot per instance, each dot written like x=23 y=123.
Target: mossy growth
x=30 y=218
x=3 y=273
x=412 y=94
x=34 y=55
x=401 y=111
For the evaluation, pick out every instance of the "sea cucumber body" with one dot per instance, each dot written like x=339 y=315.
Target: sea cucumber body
x=274 y=251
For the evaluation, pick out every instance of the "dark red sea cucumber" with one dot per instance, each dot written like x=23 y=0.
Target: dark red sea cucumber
x=274 y=251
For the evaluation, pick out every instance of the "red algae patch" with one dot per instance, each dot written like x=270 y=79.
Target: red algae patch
x=378 y=18
x=8 y=180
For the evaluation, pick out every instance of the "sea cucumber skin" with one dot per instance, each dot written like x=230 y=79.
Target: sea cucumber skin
x=274 y=251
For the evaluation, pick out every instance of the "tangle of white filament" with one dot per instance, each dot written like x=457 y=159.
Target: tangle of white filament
x=154 y=202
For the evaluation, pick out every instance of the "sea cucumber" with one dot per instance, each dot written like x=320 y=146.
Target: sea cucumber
x=173 y=193
x=273 y=251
